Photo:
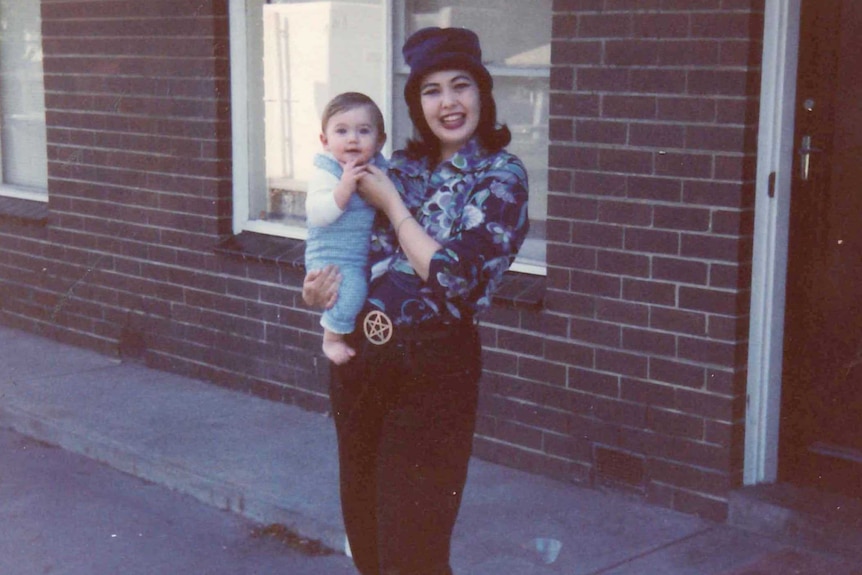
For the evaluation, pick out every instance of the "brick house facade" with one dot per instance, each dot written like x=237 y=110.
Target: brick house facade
x=624 y=366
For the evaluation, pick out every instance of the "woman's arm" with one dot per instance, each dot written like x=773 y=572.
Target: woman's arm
x=379 y=191
x=488 y=230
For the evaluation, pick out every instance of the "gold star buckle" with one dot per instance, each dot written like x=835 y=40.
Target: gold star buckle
x=377 y=327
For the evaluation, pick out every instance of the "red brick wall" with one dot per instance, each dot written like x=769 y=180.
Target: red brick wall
x=630 y=372
x=634 y=372
x=137 y=106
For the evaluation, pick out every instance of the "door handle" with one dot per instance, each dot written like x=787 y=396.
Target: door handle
x=805 y=151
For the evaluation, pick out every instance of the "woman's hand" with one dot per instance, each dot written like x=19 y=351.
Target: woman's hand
x=320 y=287
x=377 y=189
x=351 y=173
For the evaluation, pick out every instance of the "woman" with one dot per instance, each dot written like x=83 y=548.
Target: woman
x=452 y=214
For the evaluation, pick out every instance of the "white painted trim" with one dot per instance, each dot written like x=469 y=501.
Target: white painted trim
x=772 y=216
x=23 y=193
x=239 y=111
x=529 y=268
x=276 y=229
x=388 y=52
x=246 y=106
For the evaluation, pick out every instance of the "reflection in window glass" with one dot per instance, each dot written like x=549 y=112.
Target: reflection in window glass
x=22 y=97
x=513 y=34
x=516 y=47
x=312 y=51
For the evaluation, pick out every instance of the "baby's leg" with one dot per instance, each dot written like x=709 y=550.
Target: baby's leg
x=335 y=348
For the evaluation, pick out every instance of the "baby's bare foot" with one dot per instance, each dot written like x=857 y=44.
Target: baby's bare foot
x=338 y=351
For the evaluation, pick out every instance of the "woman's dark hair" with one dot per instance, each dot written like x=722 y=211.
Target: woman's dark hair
x=492 y=136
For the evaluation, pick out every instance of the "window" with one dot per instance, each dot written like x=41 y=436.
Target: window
x=289 y=57
x=23 y=151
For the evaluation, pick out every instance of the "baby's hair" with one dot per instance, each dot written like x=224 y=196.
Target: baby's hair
x=348 y=101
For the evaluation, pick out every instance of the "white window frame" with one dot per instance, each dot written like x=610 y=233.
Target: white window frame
x=249 y=168
x=21 y=192
x=246 y=108
x=247 y=118
x=771 y=233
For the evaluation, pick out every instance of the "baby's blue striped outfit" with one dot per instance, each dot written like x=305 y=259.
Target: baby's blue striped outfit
x=344 y=243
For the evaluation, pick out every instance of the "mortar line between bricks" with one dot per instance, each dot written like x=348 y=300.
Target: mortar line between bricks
x=650 y=551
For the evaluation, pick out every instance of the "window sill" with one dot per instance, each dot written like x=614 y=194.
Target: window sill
x=26 y=212
x=262 y=248
x=518 y=290
x=521 y=291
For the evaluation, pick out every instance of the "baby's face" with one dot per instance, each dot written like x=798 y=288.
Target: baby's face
x=352 y=135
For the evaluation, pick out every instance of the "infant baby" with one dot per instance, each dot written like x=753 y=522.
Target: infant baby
x=339 y=220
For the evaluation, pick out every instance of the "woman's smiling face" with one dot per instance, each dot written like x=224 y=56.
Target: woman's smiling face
x=451 y=106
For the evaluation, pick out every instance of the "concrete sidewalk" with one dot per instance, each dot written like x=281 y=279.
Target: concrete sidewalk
x=276 y=463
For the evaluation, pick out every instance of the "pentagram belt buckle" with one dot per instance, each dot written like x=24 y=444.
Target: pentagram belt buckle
x=377 y=327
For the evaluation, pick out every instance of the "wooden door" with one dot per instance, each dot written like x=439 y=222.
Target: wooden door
x=821 y=427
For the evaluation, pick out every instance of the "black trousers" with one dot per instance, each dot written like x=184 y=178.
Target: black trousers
x=405 y=414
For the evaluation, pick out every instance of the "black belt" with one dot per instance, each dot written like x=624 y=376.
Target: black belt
x=380 y=330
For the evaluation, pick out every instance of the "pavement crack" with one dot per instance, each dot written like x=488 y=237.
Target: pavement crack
x=650 y=551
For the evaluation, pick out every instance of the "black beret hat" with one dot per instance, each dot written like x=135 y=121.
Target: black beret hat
x=434 y=49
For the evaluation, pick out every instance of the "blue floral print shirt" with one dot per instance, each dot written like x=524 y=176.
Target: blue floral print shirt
x=475 y=206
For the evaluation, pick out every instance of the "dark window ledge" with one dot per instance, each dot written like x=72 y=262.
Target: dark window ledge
x=26 y=212
x=522 y=291
x=262 y=248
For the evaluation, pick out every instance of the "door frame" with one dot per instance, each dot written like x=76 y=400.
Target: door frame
x=775 y=149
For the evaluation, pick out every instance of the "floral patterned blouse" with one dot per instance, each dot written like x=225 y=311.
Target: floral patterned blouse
x=475 y=206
